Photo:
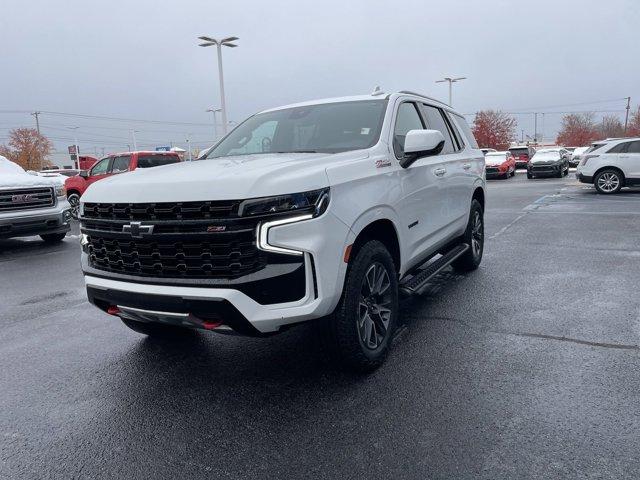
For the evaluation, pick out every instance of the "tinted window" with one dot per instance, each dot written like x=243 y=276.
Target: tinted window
x=326 y=128
x=101 y=167
x=148 y=161
x=634 y=147
x=621 y=147
x=120 y=164
x=407 y=119
x=435 y=121
x=466 y=130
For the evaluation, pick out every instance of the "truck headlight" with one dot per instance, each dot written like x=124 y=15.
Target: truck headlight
x=61 y=191
x=306 y=206
x=314 y=202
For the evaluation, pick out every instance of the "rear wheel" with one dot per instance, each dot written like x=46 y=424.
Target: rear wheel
x=360 y=330
x=474 y=237
x=159 y=330
x=608 y=181
x=529 y=176
x=53 y=237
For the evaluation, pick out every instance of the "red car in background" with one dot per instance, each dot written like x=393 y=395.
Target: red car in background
x=499 y=165
x=522 y=154
x=112 y=165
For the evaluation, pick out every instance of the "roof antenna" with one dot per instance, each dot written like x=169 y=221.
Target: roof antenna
x=377 y=91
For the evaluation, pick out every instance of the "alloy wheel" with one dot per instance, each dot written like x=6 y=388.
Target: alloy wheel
x=374 y=312
x=608 y=182
x=74 y=201
x=477 y=233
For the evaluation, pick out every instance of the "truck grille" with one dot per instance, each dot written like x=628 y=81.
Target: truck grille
x=26 y=198
x=189 y=240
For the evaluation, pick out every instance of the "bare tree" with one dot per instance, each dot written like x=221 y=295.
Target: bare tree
x=611 y=126
x=578 y=130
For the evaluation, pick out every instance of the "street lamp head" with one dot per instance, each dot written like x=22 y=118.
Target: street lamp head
x=229 y=39
x=232 y=45
x=213 y=110
x=208 y=39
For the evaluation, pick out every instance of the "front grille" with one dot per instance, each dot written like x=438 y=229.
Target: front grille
x=26 y=198
x=543 y=168
x=492 y=169
x=189 y=240
x=161 y=211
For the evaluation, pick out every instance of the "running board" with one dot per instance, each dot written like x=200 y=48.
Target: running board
x=417 y=281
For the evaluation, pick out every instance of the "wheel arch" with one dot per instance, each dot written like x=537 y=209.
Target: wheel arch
x=478 y=194
x=385 y=231
x=602 y=169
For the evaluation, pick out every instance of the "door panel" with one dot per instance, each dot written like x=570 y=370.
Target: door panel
x=629 y=160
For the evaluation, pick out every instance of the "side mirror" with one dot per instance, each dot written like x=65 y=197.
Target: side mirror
x=84 y=174
x=421 y=143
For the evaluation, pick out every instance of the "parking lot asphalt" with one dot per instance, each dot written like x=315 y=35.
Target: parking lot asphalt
x=528 y=367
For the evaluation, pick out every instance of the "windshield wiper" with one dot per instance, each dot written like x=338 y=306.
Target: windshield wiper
x=298 y=151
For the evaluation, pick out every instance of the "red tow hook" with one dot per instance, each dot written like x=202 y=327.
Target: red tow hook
x=210 y=325
x=113 y=310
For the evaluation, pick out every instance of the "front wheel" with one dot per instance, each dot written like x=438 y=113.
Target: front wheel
x=529 y=176
x=74 y=202
x=608 y=181
x=360 y=330
x=474 y=237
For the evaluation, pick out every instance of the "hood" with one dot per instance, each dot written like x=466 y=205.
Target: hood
x=494 y=161
x=545 y=160
x=12 y=180
x=226 y=178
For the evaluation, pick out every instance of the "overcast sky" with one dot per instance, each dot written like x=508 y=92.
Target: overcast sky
x=140 y=59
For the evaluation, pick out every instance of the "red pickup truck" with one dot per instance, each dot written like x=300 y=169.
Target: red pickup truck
x=112 y=165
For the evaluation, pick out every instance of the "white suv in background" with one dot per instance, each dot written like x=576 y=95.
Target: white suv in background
x=321 y=210
x=612 y=166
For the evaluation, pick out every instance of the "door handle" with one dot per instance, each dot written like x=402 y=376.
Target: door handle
x=466 y=166
x=439 y=172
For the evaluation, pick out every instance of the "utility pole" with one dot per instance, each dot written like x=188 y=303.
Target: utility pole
x=135 y=144
x=225 y=42
x=35 y=114
x=535 y=127
x=450 y=81
x=626 y=118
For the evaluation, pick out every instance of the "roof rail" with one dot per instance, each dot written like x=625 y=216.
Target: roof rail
x=408 y=92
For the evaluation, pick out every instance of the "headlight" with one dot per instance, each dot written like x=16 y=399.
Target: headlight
x=61 y=191
x=314 y=202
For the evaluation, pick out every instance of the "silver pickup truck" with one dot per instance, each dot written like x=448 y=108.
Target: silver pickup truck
x=31 y=204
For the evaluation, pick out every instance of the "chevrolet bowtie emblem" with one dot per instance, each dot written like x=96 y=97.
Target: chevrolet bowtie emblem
x=137 y=230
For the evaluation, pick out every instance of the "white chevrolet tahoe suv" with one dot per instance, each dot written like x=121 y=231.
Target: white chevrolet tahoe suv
x=32 y=205
x=612 y=165
x=324 y=210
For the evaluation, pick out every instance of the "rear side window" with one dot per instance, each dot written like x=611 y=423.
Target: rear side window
x=435 y=121
x=519 y=151
x=407 y=119
x=466 y=130
x=634 y=147
x=148 y=161
x=621 y=147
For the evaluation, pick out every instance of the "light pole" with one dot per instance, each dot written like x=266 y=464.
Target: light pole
x=225 y=42
x=450 y=81
x=215 y=121
x=135 y=144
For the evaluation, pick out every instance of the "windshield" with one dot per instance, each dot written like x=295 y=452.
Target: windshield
x=594 y=146
x=325 y=128
x=546 y=155
x=519 y=151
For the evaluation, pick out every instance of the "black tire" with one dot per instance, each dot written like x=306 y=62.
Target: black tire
x=608 y=181
x=529 y=176
x=474 y=237
x=53 y=237
x=513 y=172
x=344 y=331
x=560 y=173
x=74 y=200
x=157 y=330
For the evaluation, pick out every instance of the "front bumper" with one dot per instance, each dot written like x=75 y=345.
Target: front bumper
x=322 y=240
x=542 y=170
x=27 y=223
x=494 y=172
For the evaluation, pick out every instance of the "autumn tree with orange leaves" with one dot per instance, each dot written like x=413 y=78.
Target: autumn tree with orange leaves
x=27 y=148
x=494 y=129
x=578 y=130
